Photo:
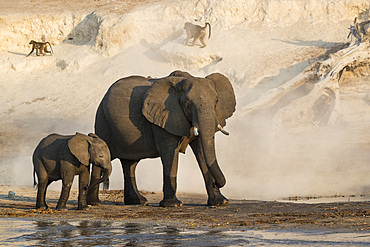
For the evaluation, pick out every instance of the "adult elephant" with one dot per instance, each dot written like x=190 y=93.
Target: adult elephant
x=146 y=118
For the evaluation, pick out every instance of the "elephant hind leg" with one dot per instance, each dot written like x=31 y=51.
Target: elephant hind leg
x=43 y=183
x=132 y=195
x=41 y=193
x=47 y=185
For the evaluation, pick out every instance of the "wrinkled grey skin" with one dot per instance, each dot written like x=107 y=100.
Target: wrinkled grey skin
x=146 y=118
x=62 y=157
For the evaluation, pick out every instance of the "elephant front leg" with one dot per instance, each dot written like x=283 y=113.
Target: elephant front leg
x=215 y=198
x=64 y=195
x=82 y=189
x=132 y=195
x=170 y=166
x=93 y=193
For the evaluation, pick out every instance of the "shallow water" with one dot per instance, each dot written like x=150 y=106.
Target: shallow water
x=31 y=232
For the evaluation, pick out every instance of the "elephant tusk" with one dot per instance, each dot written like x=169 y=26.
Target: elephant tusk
x=196 y=133
x=222 y=130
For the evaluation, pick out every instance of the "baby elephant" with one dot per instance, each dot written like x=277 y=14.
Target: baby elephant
x=62 y=157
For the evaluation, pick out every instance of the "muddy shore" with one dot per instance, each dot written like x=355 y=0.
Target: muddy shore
x=246 y=214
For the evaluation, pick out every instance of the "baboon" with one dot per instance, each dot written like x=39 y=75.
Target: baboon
x=358 y=31
x=196 y=32
x=40 y=47
x=361 y=26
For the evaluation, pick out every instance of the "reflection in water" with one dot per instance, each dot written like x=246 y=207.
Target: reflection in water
x=19 y=232
x=105 y=233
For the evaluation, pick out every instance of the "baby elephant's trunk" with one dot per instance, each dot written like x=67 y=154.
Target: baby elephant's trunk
x=106 y=175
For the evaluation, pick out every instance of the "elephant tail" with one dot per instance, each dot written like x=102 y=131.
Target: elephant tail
x=34 y=178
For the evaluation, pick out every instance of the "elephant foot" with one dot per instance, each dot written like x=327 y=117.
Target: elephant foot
x=135 y=200
x=173 y=202
x=92 y=198
x=93 y=201
x=218 y=200
x=83 y=207
x=61 y=209
x=43 y=207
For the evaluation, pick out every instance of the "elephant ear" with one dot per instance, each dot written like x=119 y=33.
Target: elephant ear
x=226 y=103
x=79 y=147
x=180 y=73
x=93 y=135
x=162 y=106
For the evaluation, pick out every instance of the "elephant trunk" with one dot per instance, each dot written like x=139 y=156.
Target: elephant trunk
x=206 y=135
x=106 y=171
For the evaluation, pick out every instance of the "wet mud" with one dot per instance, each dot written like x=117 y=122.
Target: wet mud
x=240 y=223
x=238 y=214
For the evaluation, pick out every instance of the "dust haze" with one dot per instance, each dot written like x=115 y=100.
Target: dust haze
x=258 y=48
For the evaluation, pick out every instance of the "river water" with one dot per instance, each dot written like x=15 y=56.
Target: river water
x=31 y=232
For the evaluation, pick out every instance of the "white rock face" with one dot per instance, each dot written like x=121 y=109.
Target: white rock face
x=160 y=20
